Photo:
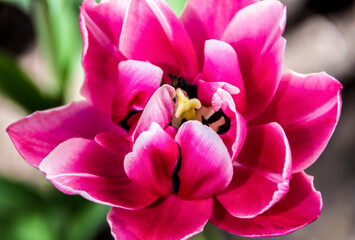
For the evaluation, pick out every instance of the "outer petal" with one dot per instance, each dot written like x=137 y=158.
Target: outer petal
x=168 y=219
x=261 y=174
x=206 y=167
x=152 y=32
x=37 y=135
x=301 y=206
x=234 y=138
x=255 y=33
x=206 y=19
x=81 y=166
x=221 y=65
x=308 y=109
x=152 y=162
x=159 y=109
x=100 y=26
x=136 y=84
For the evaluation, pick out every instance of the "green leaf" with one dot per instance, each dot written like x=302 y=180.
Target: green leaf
x=19 y=87
x=88 y=221
x=59 y=36
x=32 y=226
x=177 y=6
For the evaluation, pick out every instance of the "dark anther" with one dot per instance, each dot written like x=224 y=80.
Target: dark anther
x=162 y=82
x=176 y=179
x=227 y=124
x=124 y=122
x=183 y=120
x=204 y=121
x=215 y=117
x=180 y=82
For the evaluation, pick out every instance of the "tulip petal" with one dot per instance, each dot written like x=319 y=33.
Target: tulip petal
x=152 y=162
x=308 y=108
x=152 y=32
x=207 y=19
x=136 y=84
x=261 y=174
x=113 y=142
x=235 y=136
x=206 y=167
x=168 y=218
x=36 y=135
x=255 y=34
x=159 y=109
x=100 y=26
x=221 y=65
x=299 y=207
x=81 y=166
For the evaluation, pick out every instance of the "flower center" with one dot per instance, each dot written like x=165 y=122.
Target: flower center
x=188 y=107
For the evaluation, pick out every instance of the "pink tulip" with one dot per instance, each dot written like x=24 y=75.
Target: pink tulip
x=187 y=120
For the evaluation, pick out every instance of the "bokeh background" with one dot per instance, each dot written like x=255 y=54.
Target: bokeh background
x=40 y=49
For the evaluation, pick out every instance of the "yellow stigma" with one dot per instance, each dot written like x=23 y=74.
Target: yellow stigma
x=186 y=107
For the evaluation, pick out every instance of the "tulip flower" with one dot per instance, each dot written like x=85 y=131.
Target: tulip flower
x=187 y=120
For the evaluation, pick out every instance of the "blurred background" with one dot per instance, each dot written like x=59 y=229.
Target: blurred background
x=40 y=50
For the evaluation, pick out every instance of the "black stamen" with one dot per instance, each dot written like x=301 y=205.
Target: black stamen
x=183 y=120
x=204 y=121
x=180 y=82
x=124 y=123
x=215 y=117
x=227 y=124
x=175 y=178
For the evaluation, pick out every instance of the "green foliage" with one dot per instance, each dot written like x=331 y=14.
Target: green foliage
x=26 y=214
x=19 y=87
x=177 y=5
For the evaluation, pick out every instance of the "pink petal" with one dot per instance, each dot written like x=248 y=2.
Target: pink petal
x=206 y=90
x=100 y=26
x=81 y=166
x=207 y=19
x=36 y=135
x=152 y=162
x=152 y=32
x=206 y=167
x=136 y=84
x=159 y=109
x=234 y=138
x=255 y=34
x=113 y=142
x=168 y=218
x=261 y=174
x=301 y=206
x=308 y=108
x=221 y=65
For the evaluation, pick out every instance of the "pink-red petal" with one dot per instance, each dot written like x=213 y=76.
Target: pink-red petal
x=261 y=172
x=221 y=65
x=159 y=109
x=81 y=166
x=137 y=82
x=168 y=218
x=152 y=162
x=206 y=167
x=152 y=32
x=36 y=135
x=100 y=26
x=235 y=136
x=308 y=108
x=207 y=19
x=255 y=34
x=299 y=207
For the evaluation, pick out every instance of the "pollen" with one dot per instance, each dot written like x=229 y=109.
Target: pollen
x=185 y=110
